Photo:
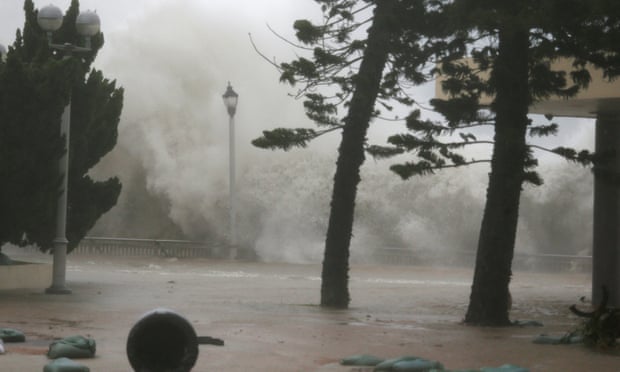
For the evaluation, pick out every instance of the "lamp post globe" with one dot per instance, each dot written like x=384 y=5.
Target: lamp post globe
x=230 y=100
x=88 y=23
x=50 y=18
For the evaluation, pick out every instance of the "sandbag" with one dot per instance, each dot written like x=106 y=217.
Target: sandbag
x=11 y=335
x=416 y=365
x=72 y=347
x=65 y=365
x=361 y=360
x=5 y=260
x=387 y=365
x=505 y=368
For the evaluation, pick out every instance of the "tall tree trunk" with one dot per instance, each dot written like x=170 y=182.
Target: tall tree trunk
x=489 y=300
x=335 y=275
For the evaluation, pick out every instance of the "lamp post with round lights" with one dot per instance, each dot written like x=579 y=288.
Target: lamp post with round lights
x=230 y=101
x=50 y=19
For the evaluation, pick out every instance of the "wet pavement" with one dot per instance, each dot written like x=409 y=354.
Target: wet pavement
x=268 y=317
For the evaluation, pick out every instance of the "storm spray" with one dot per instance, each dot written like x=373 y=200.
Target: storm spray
x=172 y=157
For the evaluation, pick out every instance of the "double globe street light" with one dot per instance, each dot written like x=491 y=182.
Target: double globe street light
x=50 y=19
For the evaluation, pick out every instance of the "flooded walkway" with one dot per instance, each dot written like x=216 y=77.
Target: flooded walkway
x=267 y=314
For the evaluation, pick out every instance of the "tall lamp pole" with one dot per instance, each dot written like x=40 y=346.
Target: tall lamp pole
x=50 y=19
x=230 y=101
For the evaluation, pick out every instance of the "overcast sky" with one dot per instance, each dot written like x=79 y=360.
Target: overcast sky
x=118 y=14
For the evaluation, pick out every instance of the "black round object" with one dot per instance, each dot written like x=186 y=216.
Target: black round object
x=162 y=341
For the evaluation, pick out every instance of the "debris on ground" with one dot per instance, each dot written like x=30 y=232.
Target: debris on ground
x=567 y=339
x=601 y=327
x=208 y=340
x=527 y=323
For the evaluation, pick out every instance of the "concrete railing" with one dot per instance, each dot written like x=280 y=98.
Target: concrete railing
x=146 y=247
x=385 y=255
x=521 y=261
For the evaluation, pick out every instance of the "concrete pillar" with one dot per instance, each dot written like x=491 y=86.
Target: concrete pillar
x=606 y=224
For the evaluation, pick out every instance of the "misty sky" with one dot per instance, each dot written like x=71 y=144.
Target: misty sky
x=117 y=14
x=238 y=18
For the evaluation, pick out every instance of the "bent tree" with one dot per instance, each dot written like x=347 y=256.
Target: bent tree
x=37 y=85
x=521 y=75
x=363 y=72
x=334 y=285
x=514 y=44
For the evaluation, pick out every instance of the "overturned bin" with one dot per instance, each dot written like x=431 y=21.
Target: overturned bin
x=162 y=341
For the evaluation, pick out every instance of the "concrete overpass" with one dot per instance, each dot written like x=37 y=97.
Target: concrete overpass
x=601 y=101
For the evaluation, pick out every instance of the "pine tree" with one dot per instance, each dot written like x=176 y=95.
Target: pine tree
x=363 y=73
x=30 y=147
x=47 y=81
x=514 y=44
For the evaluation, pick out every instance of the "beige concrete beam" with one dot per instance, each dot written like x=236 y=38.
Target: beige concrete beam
x=602 y=95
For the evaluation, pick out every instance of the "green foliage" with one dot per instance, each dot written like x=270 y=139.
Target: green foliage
x=600 y=328
x=285 y=139
x=467 y=50
x=306 y=32
x=97 y=106
x=383 y=152
x=410 y=169
x=89 y=201
x=583 y=157
x=543 y=130
x=332 y=59
x=30 y=147
x=35 y=86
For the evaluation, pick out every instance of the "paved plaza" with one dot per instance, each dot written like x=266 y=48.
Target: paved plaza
x=268 y=317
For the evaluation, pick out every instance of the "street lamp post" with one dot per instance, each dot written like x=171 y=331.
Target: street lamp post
x=230 y=101
x=50 y=19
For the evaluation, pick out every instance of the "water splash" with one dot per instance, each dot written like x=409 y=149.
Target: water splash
x=174 y=63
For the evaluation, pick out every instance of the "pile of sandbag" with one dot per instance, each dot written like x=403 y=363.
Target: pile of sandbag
x=68 y=348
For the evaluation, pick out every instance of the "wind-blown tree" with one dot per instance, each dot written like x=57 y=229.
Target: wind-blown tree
x=47 y=81
x=359 y=73
x=30 y=147
x=514 y=45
